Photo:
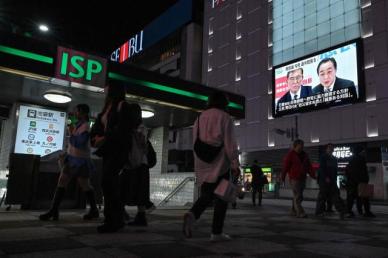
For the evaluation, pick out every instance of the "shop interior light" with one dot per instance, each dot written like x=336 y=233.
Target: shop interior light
x=57 y=96
x=147 y=113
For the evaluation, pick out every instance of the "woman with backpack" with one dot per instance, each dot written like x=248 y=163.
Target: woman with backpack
x=135 y=177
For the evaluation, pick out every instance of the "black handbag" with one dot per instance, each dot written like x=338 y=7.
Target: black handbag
x=204 y=151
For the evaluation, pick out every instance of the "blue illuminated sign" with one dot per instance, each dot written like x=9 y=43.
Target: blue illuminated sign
x=175 y=17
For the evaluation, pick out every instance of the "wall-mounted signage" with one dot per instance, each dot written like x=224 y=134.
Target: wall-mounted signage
x=216 y=3
x=80 y=67
x=266 y=170
x=130 y=48
x=342 y=152
x=40 y=131
x=170 y=21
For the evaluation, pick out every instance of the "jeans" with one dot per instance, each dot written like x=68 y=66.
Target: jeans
x=206 y=198
x=297 y=191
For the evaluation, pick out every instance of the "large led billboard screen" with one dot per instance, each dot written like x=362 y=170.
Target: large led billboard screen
x=328 y=78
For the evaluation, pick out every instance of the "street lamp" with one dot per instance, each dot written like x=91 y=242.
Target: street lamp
x=43 y=27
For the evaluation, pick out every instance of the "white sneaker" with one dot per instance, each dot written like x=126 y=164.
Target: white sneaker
x=220 y=237
x=188 y=221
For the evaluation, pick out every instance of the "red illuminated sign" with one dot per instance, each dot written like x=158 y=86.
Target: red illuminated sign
x=216 y=3
x=130 y=48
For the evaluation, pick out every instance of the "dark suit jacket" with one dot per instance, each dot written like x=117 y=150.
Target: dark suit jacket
x=339 y=84
x=305 y=91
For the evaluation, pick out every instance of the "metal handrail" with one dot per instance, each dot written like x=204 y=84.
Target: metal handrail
x=176 y=189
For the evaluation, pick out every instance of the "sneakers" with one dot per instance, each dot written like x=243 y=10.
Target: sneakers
x=51 y=214
x=219 y=237
x=188 y=221
x=140 y=220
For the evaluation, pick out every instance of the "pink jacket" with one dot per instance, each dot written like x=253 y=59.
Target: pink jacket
x=215 y=127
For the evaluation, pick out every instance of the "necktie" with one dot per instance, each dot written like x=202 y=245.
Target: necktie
x=295 y=97
x=327 y=90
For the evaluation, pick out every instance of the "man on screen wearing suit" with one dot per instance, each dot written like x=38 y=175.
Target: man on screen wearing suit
x=327 y=70
x=296 y=89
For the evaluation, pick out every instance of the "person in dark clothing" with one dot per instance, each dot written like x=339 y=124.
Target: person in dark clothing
x=327 y=180
x=111 y=136
x=329 y=206
x=76 y=163
x=257 y=182
x=357 y=173
x=135 y=177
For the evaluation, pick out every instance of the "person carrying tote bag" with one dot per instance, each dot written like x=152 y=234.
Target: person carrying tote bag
x=214 y=127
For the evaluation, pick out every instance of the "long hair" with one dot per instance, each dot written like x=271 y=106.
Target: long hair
x=115 y=95
x=84 y=110
x=135 y=115
x=218 y=100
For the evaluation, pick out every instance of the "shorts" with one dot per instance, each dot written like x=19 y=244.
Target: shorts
x=76 y=171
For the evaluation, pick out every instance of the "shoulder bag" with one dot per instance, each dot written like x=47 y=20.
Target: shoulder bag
x=204 y=151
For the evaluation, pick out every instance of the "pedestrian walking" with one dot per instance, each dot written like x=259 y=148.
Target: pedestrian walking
x=214 y=127
x=297 y=165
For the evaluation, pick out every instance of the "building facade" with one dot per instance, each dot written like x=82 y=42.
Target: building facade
x=171 y=44
x=245 y=39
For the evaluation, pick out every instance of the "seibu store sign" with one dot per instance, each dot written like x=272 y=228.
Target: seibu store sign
x=130 y=48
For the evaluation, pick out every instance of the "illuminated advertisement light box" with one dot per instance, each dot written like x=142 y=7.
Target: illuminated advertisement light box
x=266 y=170
x=40 y=131
x=80 y=67
x=328 y=78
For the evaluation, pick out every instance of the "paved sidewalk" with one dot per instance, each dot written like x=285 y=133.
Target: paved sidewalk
x=266 y=231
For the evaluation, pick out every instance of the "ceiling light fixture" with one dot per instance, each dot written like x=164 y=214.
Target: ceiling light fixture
x=147 y=113
x=43 y=28
x=57 y=96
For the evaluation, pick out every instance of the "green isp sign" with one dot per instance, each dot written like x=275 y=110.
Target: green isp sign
x=80 y=67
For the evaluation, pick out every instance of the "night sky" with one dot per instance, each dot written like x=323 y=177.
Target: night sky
x=96 y=26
